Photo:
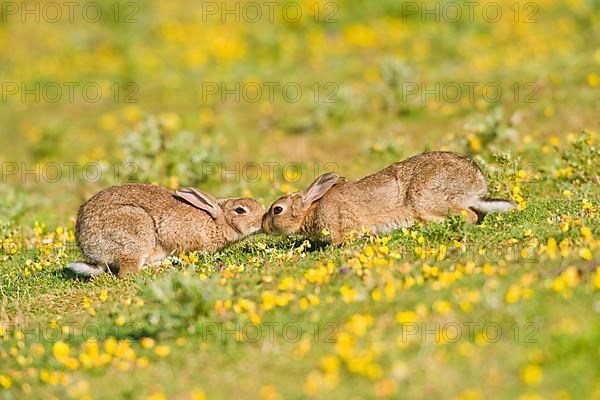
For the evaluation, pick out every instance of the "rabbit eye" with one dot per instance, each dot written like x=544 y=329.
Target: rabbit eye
x=240 y=210
x=277 y=210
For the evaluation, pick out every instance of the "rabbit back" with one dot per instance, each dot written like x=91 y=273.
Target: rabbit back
x=186 y=228
x=374 y=202
x=144 y=222
x=423 y=188
x=442 y=182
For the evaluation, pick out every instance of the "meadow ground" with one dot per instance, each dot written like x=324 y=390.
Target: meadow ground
x=509 y=308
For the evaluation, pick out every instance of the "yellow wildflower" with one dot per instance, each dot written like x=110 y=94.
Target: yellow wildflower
x=532 y=374
x=61 y=350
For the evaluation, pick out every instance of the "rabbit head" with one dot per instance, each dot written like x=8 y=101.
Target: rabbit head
x=287 y=215
x=243 y=215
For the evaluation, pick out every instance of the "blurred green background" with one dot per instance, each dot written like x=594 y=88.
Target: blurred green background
x=155 y=63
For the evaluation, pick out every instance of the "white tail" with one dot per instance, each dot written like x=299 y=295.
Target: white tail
x=83 y=269
x=493 y=205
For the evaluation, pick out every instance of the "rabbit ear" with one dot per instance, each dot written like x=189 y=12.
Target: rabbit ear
x=318 y=188
x=200 y=200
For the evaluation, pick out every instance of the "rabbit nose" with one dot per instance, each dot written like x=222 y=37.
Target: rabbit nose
x=265 y=226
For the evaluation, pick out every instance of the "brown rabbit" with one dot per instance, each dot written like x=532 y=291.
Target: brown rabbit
x=426 y=187
x=127 y=226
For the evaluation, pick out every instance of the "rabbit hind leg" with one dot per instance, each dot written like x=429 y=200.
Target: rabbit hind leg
x=429 y=210
x=133 y=239
x=431 y=217
x=471 y=216
x=129 y=265
x=156 y=258
x=441 y=216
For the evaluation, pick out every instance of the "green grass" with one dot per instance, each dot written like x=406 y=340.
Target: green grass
x=546 y=325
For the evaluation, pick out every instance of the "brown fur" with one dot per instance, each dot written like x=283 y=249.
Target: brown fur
x=127 y=226
x=423 y=188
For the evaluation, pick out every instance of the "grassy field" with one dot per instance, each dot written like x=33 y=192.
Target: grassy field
x=509 y=308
